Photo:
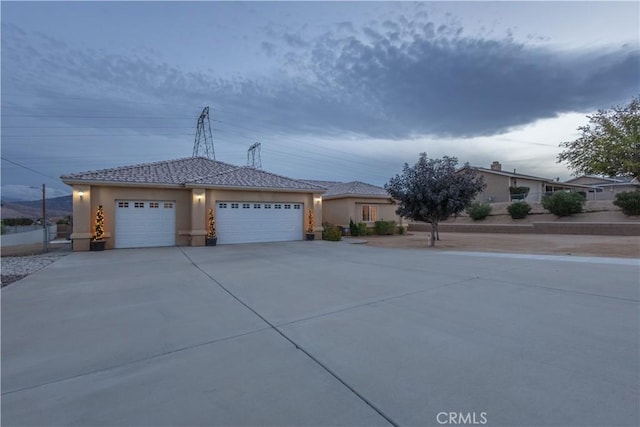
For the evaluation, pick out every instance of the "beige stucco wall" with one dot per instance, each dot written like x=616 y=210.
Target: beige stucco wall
x=497 y=189
x=340 y=211
x=191 y=209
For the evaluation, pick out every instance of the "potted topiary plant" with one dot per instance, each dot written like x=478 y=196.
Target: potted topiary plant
x=212 y=239
x=310 y=235
x=97 y=242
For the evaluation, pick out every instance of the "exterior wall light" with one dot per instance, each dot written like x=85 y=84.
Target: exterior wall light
x=81 y=195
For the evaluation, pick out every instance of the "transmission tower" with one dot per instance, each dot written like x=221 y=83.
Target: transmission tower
x=253 y=156
x=204 y=140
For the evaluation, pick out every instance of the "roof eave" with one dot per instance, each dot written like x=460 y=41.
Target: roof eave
x=72 y=181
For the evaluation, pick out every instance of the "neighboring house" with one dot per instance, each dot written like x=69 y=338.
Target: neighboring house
x=357 y=201
x=166 y=203
x=499 y=183
x=606 y=188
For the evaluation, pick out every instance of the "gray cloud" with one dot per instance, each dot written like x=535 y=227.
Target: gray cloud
x=403 y=79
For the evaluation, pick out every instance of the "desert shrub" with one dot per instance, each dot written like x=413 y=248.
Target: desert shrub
x=562 y=203
x=401 y=230
x=17 y=221
x=478 y=211
x=629 y=202
x=331 y=232
x=353 y=228
x=363 y=230
x=384 y=228
x=519 y=210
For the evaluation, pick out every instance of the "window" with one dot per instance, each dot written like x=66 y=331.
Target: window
x=277 y=206
x=287 y=206
x=138 y=205
x=267 y=205
x=256 y=206
x=123 y=204
x=168 y=205
x=296 y=206
x=246 y=206
x=222 y=205
x=154 y=205
x=369 y=213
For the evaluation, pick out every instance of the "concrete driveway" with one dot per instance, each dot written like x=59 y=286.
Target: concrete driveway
x=321 y=333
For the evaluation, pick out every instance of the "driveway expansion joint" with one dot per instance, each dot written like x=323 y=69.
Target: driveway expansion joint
x=298 y=347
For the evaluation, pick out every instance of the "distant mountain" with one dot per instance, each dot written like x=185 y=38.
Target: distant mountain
x=57 y=207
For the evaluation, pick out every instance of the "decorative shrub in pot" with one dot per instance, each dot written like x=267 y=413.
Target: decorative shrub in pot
x=310 y=235
x=212 y=238
x=97 y=242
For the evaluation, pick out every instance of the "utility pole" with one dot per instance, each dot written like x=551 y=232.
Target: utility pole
x=45 y=230
x=204 y=139
x=253 y=156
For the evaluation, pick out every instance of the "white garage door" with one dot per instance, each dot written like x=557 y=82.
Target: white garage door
x=243 y=222
x=144 y=223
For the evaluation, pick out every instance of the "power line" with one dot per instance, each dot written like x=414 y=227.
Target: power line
x=27 y=168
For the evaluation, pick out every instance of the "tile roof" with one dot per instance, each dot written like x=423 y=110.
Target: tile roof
x=356 y=189
x=255 y=178
x=191 y=170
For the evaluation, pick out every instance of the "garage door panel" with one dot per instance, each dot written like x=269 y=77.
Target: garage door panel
x=145 y=223
x=258 y=222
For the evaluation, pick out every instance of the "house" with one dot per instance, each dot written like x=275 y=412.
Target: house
x=357 y=201
x=606 y=188
x=501 y=185
x=166 y=203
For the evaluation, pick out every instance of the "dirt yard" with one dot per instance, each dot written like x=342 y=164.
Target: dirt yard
x=550 y=244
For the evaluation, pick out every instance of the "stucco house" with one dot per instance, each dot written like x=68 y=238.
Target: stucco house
x=357 y=201
x=606 y=188
x=166 y=203
x=500 y=181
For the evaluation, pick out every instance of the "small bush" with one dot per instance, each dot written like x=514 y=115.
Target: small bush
x=629 y=201
x=17 y=221
x=363 y=230
x=353 y=228
x=331 y=232
x=478 y=211
x=562 y=203
x=401 y=230
x=519 y=210
x=385 y=228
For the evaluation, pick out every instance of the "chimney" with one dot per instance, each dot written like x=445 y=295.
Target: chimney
x=496 y=166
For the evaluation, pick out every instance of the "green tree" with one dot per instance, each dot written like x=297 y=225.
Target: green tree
x=608 y=145
x=433 y=190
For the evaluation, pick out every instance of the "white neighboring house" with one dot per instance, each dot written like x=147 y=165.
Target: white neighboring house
x=606 y=188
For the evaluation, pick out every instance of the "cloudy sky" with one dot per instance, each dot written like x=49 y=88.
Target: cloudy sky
x=334 y=91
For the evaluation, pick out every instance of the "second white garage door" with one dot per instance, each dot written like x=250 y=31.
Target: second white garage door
x=242 y=222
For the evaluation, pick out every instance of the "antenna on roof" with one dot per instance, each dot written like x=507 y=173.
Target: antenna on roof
x=204 y=139
x=253 y=156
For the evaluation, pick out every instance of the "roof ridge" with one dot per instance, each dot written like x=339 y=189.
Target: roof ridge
x=280 y=176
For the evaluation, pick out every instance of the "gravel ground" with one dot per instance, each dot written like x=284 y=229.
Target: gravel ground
x=15 y=268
